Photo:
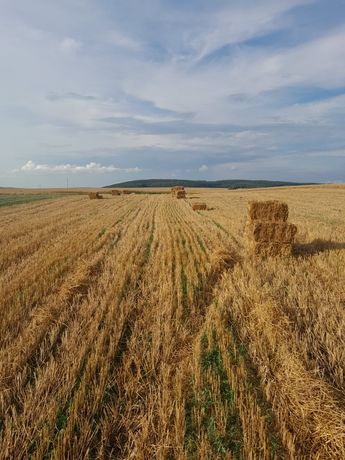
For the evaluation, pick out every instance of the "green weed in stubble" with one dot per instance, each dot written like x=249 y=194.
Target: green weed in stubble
x=211 y=359
x=190 y=436
x=201 y=244
x=221 y=227
x=63 y=411
x=184 y=289
x=101 y=233
x=148 y=247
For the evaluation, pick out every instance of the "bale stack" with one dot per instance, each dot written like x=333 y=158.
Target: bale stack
x=268 y=232
x=115 y=192
x=178 y=192
x=95 y=196
x=199 y=206
x=126 y=192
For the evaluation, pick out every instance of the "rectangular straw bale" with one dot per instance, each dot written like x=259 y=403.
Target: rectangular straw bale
x=115 y=192
x=274 y=210
x=176 y=189
x=95 y=196
x=199 y=206
x=180 y=194
x=279 y=232
x=260 y=249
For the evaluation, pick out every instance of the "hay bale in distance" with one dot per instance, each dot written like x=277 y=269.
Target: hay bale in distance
x=180 y=194
x=126 y=192
x=274 y=211
x=95 y=196
x=175 y=190
x=116 y=192
x=199 y=206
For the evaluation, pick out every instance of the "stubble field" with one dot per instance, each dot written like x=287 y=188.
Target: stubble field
x=136 y=328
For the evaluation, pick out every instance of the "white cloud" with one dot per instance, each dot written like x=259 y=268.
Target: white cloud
x=241 y=21
x=91 y=167
x=69 y=45
x=227 y=166
x=203 y=168
x=117 y=38
x=130 y=60
x=250 y=73
x=327 y=153
x=324 y=112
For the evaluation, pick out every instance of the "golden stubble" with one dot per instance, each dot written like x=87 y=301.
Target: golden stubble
x=134 y=328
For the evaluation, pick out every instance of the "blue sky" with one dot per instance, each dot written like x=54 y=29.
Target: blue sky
x=105 y=91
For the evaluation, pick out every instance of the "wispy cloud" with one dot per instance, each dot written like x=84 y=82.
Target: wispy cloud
x=70 y=45
x=52 y=96
x=172 y=88
x=93 y=168
x=117 y=38
x=242 y=21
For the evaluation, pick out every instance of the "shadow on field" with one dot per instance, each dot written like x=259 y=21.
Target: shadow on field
x=316 y=246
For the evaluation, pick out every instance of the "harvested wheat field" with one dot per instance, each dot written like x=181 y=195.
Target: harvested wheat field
x=137 y=328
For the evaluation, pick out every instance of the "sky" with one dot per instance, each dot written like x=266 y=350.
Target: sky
x=101 y=91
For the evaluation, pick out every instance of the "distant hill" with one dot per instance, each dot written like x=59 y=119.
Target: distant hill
x=231 y=183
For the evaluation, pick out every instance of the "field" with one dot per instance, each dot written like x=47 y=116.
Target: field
x=136 y=328
x=9 y=199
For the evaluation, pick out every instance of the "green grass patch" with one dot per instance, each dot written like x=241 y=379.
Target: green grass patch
x=24 y=198
x=204 y=403
x=211 y=359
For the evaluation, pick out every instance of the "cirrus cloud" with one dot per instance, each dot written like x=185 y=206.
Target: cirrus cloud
x=176 y=88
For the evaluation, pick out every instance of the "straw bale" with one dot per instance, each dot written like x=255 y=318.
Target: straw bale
x=274 y=210
x=199 y=206
x=115 y=192
x=272 y=232
x=269 y=249
x=180 y=194
x=126 y=192
x=95 y=196
x=177 y=188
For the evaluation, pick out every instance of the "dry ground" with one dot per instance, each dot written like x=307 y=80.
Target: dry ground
x=136 y=328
